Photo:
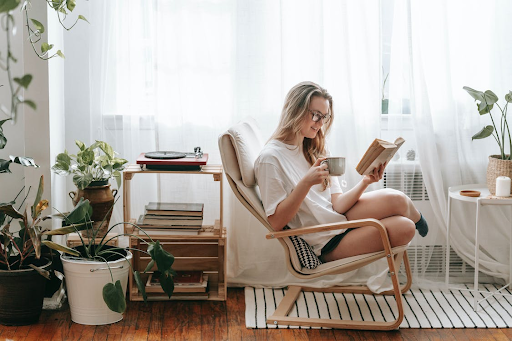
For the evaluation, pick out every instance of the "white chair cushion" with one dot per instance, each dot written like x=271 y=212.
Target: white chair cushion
x=248 y=146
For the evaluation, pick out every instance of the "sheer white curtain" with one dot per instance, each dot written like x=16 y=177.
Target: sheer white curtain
x=439 y=47
x=175 y=75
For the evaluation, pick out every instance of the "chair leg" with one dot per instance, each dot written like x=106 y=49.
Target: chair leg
x=280 y=315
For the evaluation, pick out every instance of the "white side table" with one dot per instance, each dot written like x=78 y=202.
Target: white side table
x=482 y=200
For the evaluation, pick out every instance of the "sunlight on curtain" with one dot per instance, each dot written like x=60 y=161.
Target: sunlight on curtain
x=436 y=51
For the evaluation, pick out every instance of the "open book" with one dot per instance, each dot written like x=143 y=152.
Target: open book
x=378 y=153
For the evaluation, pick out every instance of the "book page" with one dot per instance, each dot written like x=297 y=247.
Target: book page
x=378 y=153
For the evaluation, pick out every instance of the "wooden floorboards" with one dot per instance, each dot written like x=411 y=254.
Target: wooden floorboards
x=207 y=320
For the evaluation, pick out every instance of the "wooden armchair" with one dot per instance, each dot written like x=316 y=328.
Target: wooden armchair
x=239 y=148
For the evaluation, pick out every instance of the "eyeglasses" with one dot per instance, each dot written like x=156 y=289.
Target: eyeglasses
x=317 y=116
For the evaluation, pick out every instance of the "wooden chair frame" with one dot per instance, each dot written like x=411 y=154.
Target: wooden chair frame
x=249 y=197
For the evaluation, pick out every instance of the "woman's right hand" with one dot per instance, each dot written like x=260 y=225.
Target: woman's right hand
x=316 y=174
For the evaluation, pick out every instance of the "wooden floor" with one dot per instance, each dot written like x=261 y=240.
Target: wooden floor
x=203 y=320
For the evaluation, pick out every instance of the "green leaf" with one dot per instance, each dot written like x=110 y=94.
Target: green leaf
x=56 y=4
x=114 y=297
x=81 y=17
x=80 y=145
x=4 y=166
x=80 y=213
x=46 y=47
x=38 y=25
x=30 y=103
x=490 y=97
x=82 y=181
x=24 y=161
x=68 y=229
x=60 y=54
x=23 y=81
x=58 y=247
x=117 y=176
x=477 y=95
x=71 y=5
x=39 y=195
x=508 y=97
x=140 y=285
x=163 y=259
x=9 y=210
x=7 y=5
x=167 y=283
x=485 y=132
x=150 y=266
x=483 y=108
x=107 y=149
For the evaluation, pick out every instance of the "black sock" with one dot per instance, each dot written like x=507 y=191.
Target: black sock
x=422 y=226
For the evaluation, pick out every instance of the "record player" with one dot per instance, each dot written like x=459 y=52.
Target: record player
x=173 y=161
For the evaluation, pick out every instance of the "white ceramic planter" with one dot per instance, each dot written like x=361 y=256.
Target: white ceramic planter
x=84 y=284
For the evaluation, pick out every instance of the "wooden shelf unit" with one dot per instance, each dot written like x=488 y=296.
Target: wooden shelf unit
x=205 y=252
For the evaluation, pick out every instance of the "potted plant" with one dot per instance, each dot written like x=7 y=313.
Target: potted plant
x=92 y=168
x=24 y=265
x=96 y=274
x=499 y=164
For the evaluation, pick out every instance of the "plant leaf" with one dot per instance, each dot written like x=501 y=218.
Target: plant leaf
x=44 y=273
x=80 y=213
x=150 y=265
x=7 y=5
x=114 y=297
x=482 y=134
x=167 y=283
x=508 y=97
x=164 y=261
x=30 y=103
x=477 y=95
x=46 y=47
x=58 y=247
x=37 y=201
x=490 y=97
x=68 y=229
x=9 y=210
x=60 y=54
x=4 y=166
x=24 y=161
x=23 y=81
x=38 y=25
x=80 y=145
x=3 y=139
x=71 y=5
x=81 y=17
x=140 y=285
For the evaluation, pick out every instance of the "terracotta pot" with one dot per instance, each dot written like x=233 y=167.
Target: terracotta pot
x=497 y=167
x=102 y=200
x=22 y=294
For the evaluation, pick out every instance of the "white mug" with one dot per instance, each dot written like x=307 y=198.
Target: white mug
x=335 y=165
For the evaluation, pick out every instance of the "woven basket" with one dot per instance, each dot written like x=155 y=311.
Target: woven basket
x=497 y=167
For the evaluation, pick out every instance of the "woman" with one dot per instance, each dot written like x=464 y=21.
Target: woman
x=297 y=191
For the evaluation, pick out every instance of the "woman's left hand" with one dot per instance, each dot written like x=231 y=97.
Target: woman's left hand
x=375 y=176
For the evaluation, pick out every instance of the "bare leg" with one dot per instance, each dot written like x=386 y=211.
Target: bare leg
x=383 y=203
x=367 y=239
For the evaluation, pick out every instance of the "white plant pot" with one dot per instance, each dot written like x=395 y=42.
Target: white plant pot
x=84 y=283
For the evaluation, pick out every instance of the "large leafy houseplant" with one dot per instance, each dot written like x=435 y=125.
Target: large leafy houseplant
x=98 y=162
x=89 y=250
x=485 y=102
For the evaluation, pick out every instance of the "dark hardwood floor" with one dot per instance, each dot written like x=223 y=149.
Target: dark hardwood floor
x=205 y=320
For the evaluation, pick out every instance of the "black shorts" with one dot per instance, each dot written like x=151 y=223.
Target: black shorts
x=331 y=244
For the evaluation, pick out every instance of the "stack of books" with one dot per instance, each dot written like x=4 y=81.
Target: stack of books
x=165 y=218
x=187 y=284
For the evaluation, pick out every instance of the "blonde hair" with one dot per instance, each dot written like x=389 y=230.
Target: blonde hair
x=295 y=111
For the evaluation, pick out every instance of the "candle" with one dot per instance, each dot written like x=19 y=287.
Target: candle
x=502 y=186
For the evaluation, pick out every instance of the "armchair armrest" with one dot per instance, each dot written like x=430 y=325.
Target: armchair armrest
x=337 y=226
x=328 y=227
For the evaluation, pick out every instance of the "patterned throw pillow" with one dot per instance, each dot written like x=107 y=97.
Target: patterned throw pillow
x=307 y=257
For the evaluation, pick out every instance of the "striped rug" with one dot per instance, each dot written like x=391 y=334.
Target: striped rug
x=422 y=308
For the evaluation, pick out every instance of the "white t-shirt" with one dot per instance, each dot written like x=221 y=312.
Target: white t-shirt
x=278 y=170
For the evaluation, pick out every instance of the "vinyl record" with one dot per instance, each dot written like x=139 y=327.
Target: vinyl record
x=165 y=155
